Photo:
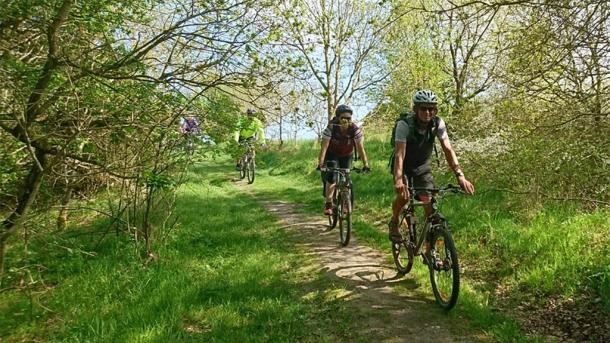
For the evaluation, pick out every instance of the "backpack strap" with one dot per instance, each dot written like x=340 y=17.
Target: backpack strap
x=434 y=132
x=403 y=117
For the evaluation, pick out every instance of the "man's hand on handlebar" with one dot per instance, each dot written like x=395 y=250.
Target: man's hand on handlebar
x=466 y=186
x=401 y=189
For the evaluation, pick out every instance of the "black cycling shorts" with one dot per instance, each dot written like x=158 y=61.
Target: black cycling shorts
x=422 y=181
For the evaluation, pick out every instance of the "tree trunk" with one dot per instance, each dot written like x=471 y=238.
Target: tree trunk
x=147 y=226
x=281 y=141
x=27 y=195
x=62 y=217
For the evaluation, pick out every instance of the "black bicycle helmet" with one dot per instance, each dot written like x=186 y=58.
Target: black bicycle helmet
x=342 y=109
x=424 y=96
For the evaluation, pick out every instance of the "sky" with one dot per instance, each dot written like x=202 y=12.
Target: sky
x=360 y=112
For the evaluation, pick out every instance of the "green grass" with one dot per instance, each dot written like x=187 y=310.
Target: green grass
x=227 y=274
x=532 y=252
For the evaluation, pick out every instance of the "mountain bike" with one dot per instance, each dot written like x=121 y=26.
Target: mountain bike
x=442 y=258
x=343 y=203
x=190 y=139
x=247 y=163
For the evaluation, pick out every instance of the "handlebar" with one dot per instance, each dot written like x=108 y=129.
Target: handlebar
x=449 y=188
x=344 y=170
x=247 y=144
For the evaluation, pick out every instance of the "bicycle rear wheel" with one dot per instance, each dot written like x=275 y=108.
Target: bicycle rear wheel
x=444 y=267
x=345 y=217
x=250 y=170
x=403 y=251
x=242 y=168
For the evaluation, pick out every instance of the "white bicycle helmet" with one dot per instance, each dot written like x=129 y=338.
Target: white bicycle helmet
x=424 y=96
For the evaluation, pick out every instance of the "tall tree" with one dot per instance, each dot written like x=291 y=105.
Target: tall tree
x=99 y=86
x=336 y=44
x=474 y=44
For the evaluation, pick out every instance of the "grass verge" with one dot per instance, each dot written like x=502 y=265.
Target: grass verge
x=227 y=274
x=509 y=255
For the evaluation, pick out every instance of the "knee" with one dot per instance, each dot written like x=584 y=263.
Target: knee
x=425 y=198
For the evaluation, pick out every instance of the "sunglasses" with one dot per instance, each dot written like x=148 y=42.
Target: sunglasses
x=428 y=109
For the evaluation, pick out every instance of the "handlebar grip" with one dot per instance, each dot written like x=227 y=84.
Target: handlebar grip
x=453 y=188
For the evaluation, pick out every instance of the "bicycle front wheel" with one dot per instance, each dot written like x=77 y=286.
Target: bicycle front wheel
x=403 y=251
x=444 y=268
x=250 y=170
x=345 y=217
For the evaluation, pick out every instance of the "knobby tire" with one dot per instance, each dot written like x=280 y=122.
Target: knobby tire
x=251 y=170
x=446 y=279
x=242 y=169
x=345 y=218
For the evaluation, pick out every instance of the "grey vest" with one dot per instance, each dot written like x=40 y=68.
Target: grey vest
x=419 y=146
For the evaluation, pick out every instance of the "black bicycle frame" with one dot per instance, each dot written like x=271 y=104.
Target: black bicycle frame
x=435 y=215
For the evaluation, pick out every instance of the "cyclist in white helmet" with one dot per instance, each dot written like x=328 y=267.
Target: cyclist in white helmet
x=413 y=144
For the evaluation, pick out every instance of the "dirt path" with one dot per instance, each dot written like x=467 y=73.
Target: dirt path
x=411 y=316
